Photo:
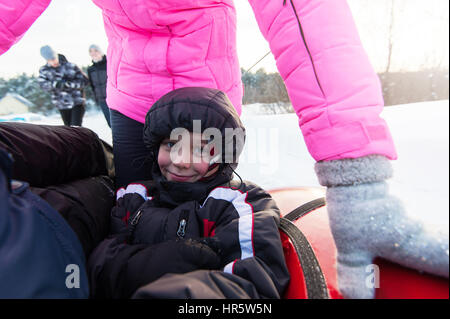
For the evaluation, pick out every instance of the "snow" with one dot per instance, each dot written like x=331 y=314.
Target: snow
x=275 y=154
x=92 y=120
x=21 y=117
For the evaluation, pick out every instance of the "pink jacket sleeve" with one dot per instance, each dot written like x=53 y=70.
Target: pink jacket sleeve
x=331 y=83
x=16 y=17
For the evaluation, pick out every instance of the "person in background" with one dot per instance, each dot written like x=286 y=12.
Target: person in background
x=98 y=78
x=65 y=82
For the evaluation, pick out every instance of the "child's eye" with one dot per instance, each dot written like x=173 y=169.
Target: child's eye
x=168 y=144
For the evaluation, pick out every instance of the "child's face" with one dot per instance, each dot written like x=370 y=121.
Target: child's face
x=184 y=160
x=95 y=55
x=53 y=62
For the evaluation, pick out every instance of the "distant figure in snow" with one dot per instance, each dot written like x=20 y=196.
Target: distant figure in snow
x=65 y=82
x=98 y=78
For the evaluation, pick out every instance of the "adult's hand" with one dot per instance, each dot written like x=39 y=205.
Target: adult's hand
x=366 y=222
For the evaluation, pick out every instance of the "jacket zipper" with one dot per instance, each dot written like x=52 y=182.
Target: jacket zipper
x=182 y=223
x=306 y=45
x=134 y=221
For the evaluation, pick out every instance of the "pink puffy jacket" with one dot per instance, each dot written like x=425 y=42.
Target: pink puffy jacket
x=157 y=46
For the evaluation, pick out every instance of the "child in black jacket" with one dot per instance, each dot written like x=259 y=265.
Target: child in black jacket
x=192 y=231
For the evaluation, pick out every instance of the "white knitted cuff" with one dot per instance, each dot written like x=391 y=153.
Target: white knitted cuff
x=344 y=172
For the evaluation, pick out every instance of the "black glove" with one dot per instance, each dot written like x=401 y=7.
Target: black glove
x=175 y=256
x=213 y=243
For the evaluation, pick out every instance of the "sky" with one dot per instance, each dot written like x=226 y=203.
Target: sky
x=420 y=35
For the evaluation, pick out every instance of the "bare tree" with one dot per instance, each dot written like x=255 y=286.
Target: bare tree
x=390 y=35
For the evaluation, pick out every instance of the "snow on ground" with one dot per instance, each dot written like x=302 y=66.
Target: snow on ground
x=421 y=173
x=275 y=154
x=92 y=120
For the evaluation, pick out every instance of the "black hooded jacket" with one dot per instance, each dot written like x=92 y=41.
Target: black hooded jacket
x=98 y=78
x=232 y=224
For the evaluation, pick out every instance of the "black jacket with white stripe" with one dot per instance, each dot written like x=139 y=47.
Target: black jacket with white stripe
x=243 y=222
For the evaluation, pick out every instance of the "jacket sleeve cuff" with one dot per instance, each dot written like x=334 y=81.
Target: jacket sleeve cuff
x=344 y=172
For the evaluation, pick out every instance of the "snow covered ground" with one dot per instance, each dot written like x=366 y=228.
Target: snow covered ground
x=275 y=154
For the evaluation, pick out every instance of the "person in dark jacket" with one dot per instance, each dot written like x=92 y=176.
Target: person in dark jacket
x=40 y=255
x=98 y=78
x=65 y=81
x=192 y=231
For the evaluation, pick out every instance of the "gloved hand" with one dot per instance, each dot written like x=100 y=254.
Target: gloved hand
x=367 y=222
x=175 y=256
x=213 y=243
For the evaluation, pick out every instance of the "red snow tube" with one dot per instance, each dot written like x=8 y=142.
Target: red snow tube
x=310 y=254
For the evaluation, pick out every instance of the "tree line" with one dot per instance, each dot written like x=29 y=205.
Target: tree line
x=266 y=88
x=399 y=87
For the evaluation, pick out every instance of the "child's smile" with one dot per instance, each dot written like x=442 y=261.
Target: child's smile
x=182 y=161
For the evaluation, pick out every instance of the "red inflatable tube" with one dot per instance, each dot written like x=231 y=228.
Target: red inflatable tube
x=395 y=281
